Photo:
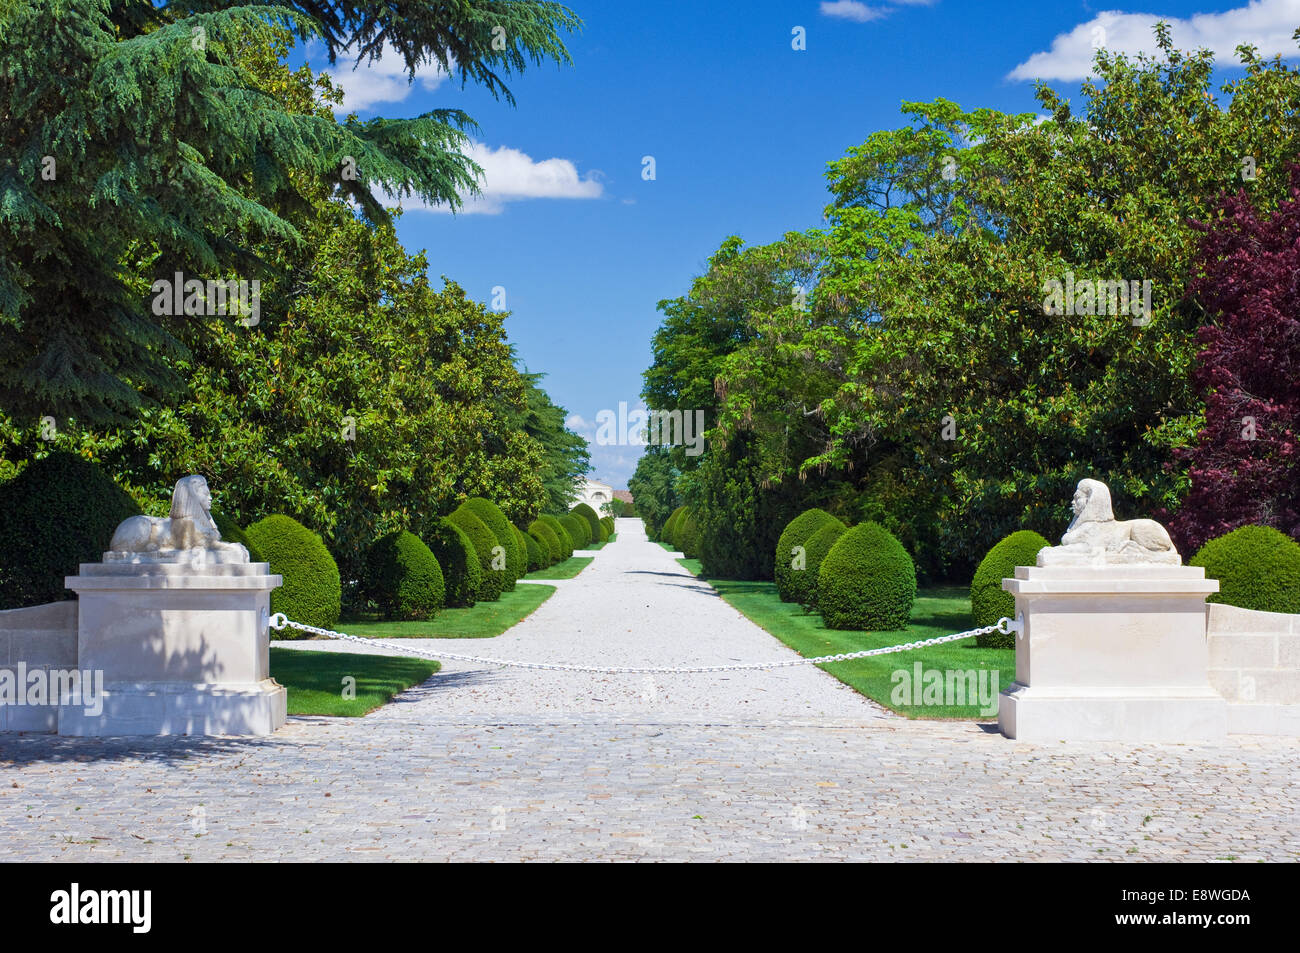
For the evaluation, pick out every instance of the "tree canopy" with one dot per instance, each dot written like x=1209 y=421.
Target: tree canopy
x=905 y=363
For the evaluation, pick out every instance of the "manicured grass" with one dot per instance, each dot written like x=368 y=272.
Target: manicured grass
x=672 y=549
x=315 y=680
x=565 y=570
x=481 y=621
x=939 y=611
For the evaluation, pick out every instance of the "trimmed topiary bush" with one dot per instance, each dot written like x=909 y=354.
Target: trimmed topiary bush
x=405 y=578
x=59 y=512
x=311 y=592
x=669 y=532
x=687 y=535
x=1257 y=567
x=561 y=534
x=492 y=581
x=231 y=532
x=521 y=544
x=988 y=601
x=592 y=518
x=578 y=529
x=603 y=531
x=816 y=546
x=462 y=575
x=495 y=520
x=608 y=523
x=867 y=581
x=537 y=554
x=797 y=532
x=541 y=531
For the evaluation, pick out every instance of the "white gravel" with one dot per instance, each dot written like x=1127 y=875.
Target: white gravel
x=634 y=605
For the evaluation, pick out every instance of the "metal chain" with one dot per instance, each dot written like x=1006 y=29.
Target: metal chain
x=1004 y=625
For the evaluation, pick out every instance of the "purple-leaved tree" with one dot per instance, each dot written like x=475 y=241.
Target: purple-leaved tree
x=1245 y=464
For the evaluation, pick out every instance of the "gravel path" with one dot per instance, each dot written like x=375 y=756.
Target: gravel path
x=484 y=764
x=634 y=605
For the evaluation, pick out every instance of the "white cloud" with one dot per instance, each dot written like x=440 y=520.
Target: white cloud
x=510 y=175
x=1266 y=24
x=383 y=81
x=861 y=13
x=581 y=426
x=852 y=10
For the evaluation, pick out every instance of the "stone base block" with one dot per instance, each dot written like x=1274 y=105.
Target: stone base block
x=40 y=718
x=180 y=709
x=1264 y=720
x=1080 y=714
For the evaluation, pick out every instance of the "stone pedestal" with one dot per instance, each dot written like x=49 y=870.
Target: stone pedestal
x=183 y=649
x=1112 y=653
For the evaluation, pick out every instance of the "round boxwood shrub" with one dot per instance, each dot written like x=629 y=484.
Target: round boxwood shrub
x=608 y=523
x=495 y=520
x=1257 y=568
x=59 y=512
x=561 y=534
x=526 y=557
x=988 y=601
x=669 y=532
x=541 y=531
x=578 y=529
x=602 y=531
x=405 y=578
x=521 y=547
x=815 y=549
x=540 y=538
x=867 y=581
x=462 y=576
x=492 y=581
x=687 y=535
x=796 y=533
x=592 y=518
x=537 y=554
x=232 y=533
x=311 y=592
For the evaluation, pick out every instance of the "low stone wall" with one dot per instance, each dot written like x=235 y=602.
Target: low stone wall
x=1255 y=665
x=39 y=637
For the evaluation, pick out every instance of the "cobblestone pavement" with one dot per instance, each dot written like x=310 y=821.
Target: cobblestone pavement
x=821 y=775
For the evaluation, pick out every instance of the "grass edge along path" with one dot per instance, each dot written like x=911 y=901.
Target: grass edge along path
x=484 y=620
x=937 y=611
x=565 y=570
x=315 y=680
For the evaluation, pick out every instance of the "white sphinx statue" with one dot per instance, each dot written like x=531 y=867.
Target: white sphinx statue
x=189 y=535
x=1096 y=538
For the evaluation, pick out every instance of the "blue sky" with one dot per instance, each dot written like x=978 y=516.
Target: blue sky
x=740 y=126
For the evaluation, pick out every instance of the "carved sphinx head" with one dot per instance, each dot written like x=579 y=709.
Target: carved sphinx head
x=1092 y=503
x=192 y=500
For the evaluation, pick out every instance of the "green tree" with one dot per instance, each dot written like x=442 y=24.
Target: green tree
x=565 y=455
x=154 y=148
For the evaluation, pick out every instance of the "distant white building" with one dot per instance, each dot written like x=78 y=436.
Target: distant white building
x=595 y=494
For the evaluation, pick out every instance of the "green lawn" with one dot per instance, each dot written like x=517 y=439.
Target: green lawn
x=565 y=570
x=315 y=680
x=482 y=621
x=939 y=611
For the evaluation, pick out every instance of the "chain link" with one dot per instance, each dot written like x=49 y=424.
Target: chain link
x=1004 y=625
